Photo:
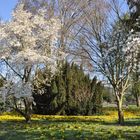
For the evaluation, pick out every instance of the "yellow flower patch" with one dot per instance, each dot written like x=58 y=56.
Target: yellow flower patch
x=109 y=117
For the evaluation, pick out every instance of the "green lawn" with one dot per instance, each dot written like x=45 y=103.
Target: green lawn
x=43 y=130
x=71 y=128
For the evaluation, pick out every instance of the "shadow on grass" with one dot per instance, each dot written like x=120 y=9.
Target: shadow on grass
x=128 y=122
x=132 y=122
x=69 y=130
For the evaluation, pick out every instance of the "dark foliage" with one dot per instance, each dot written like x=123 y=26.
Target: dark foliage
x=70 y=92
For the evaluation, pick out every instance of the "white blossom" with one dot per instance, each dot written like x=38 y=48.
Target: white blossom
x=22 y=90
x=28 y=40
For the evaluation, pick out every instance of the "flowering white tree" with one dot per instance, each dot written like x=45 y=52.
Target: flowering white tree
x=27 y=42
x=113 y=54
x=118 y=60
x=116 y=63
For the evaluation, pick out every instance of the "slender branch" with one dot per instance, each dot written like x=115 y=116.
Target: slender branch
x=12 y=69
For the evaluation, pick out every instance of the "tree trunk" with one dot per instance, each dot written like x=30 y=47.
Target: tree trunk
x=28 y=118
x=137 y=100
x=120 y=112
x=28 y=109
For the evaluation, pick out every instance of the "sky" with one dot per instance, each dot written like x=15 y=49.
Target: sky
x=6 y=7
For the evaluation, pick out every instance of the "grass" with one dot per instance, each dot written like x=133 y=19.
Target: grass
x=43 y=127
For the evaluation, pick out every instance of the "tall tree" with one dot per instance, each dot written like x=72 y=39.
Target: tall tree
x=106 y=47
x=27 y=42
